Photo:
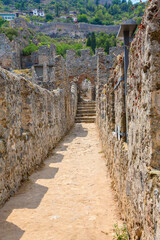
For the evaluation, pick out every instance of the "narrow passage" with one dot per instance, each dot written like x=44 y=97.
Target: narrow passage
x=70 y=198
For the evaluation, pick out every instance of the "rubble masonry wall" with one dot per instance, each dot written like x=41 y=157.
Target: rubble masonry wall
x=32 y=122
x=135 y=165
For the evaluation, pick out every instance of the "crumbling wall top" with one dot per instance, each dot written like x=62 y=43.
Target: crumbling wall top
x=70 y=54
x=85 y=53
x=99 y=51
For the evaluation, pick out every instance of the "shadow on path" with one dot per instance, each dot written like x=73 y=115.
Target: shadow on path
x=31 y=193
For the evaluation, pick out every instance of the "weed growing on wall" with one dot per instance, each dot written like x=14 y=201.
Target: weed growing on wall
x=120 y=233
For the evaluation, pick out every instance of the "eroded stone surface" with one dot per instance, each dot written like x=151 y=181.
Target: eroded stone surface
x=33 y=120
x=134 y=165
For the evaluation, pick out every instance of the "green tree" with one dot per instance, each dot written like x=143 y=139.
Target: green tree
x=115 y=9
x=96 y=21
x=66 y=9
x=21 y=6
x=91 y=6
x=97 y=3
x=139 y=10
x=108 y=16
x=117 y=2
x=94 y=12
x=88 y=42
x=2 y=21
x=57 y=9
x=124 y=7
x=130 y=5
x=99 y=14
x=93 y=42
x=82 y=18
x=49 y=17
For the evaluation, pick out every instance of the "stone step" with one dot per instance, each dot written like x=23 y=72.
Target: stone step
x=86 y=108
x=84 y=121
x=89 y=107
x=91 y=102
x=86 y=105
x=85 y=118
x=85 y=114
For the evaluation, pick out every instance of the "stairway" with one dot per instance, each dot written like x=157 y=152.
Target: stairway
x=86 y=112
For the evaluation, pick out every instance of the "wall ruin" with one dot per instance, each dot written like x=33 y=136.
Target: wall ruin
x=32 y=121
x=34 y=118
x=135 y=165
x=10 y=55
x=85 y=66
x=45 y=54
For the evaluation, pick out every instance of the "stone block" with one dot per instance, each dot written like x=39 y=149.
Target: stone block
x=2 y=147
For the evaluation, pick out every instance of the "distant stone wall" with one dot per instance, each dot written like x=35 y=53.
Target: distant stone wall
x=135 y=165
x=79 y=30
x=32 y=121
x=21 y=22
x=74 y=30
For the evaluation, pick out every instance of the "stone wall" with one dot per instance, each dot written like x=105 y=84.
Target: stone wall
x=80 y=30
x=11 y=56
x=85 y=66
x=45 y=54
x=9 y=53
x=51 y=76
x=80 y=66
x=32 y=121
x=135 y=165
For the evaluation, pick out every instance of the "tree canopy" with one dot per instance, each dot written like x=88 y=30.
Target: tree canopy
x=90 y=11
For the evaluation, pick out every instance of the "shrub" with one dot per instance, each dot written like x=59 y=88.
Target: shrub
x=29 y=49
x=25 y=18
x=2 y=21
x=82 y=18
x=49 y=17
x=9 y=32
x=63 y=47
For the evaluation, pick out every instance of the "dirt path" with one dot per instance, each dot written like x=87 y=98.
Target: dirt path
x=69 y=199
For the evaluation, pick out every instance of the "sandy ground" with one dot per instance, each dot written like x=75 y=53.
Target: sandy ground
x=70 y=198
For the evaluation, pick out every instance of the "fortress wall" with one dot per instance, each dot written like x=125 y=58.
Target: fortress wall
x=32 y=122
x=81 y=29
x=135 y=165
